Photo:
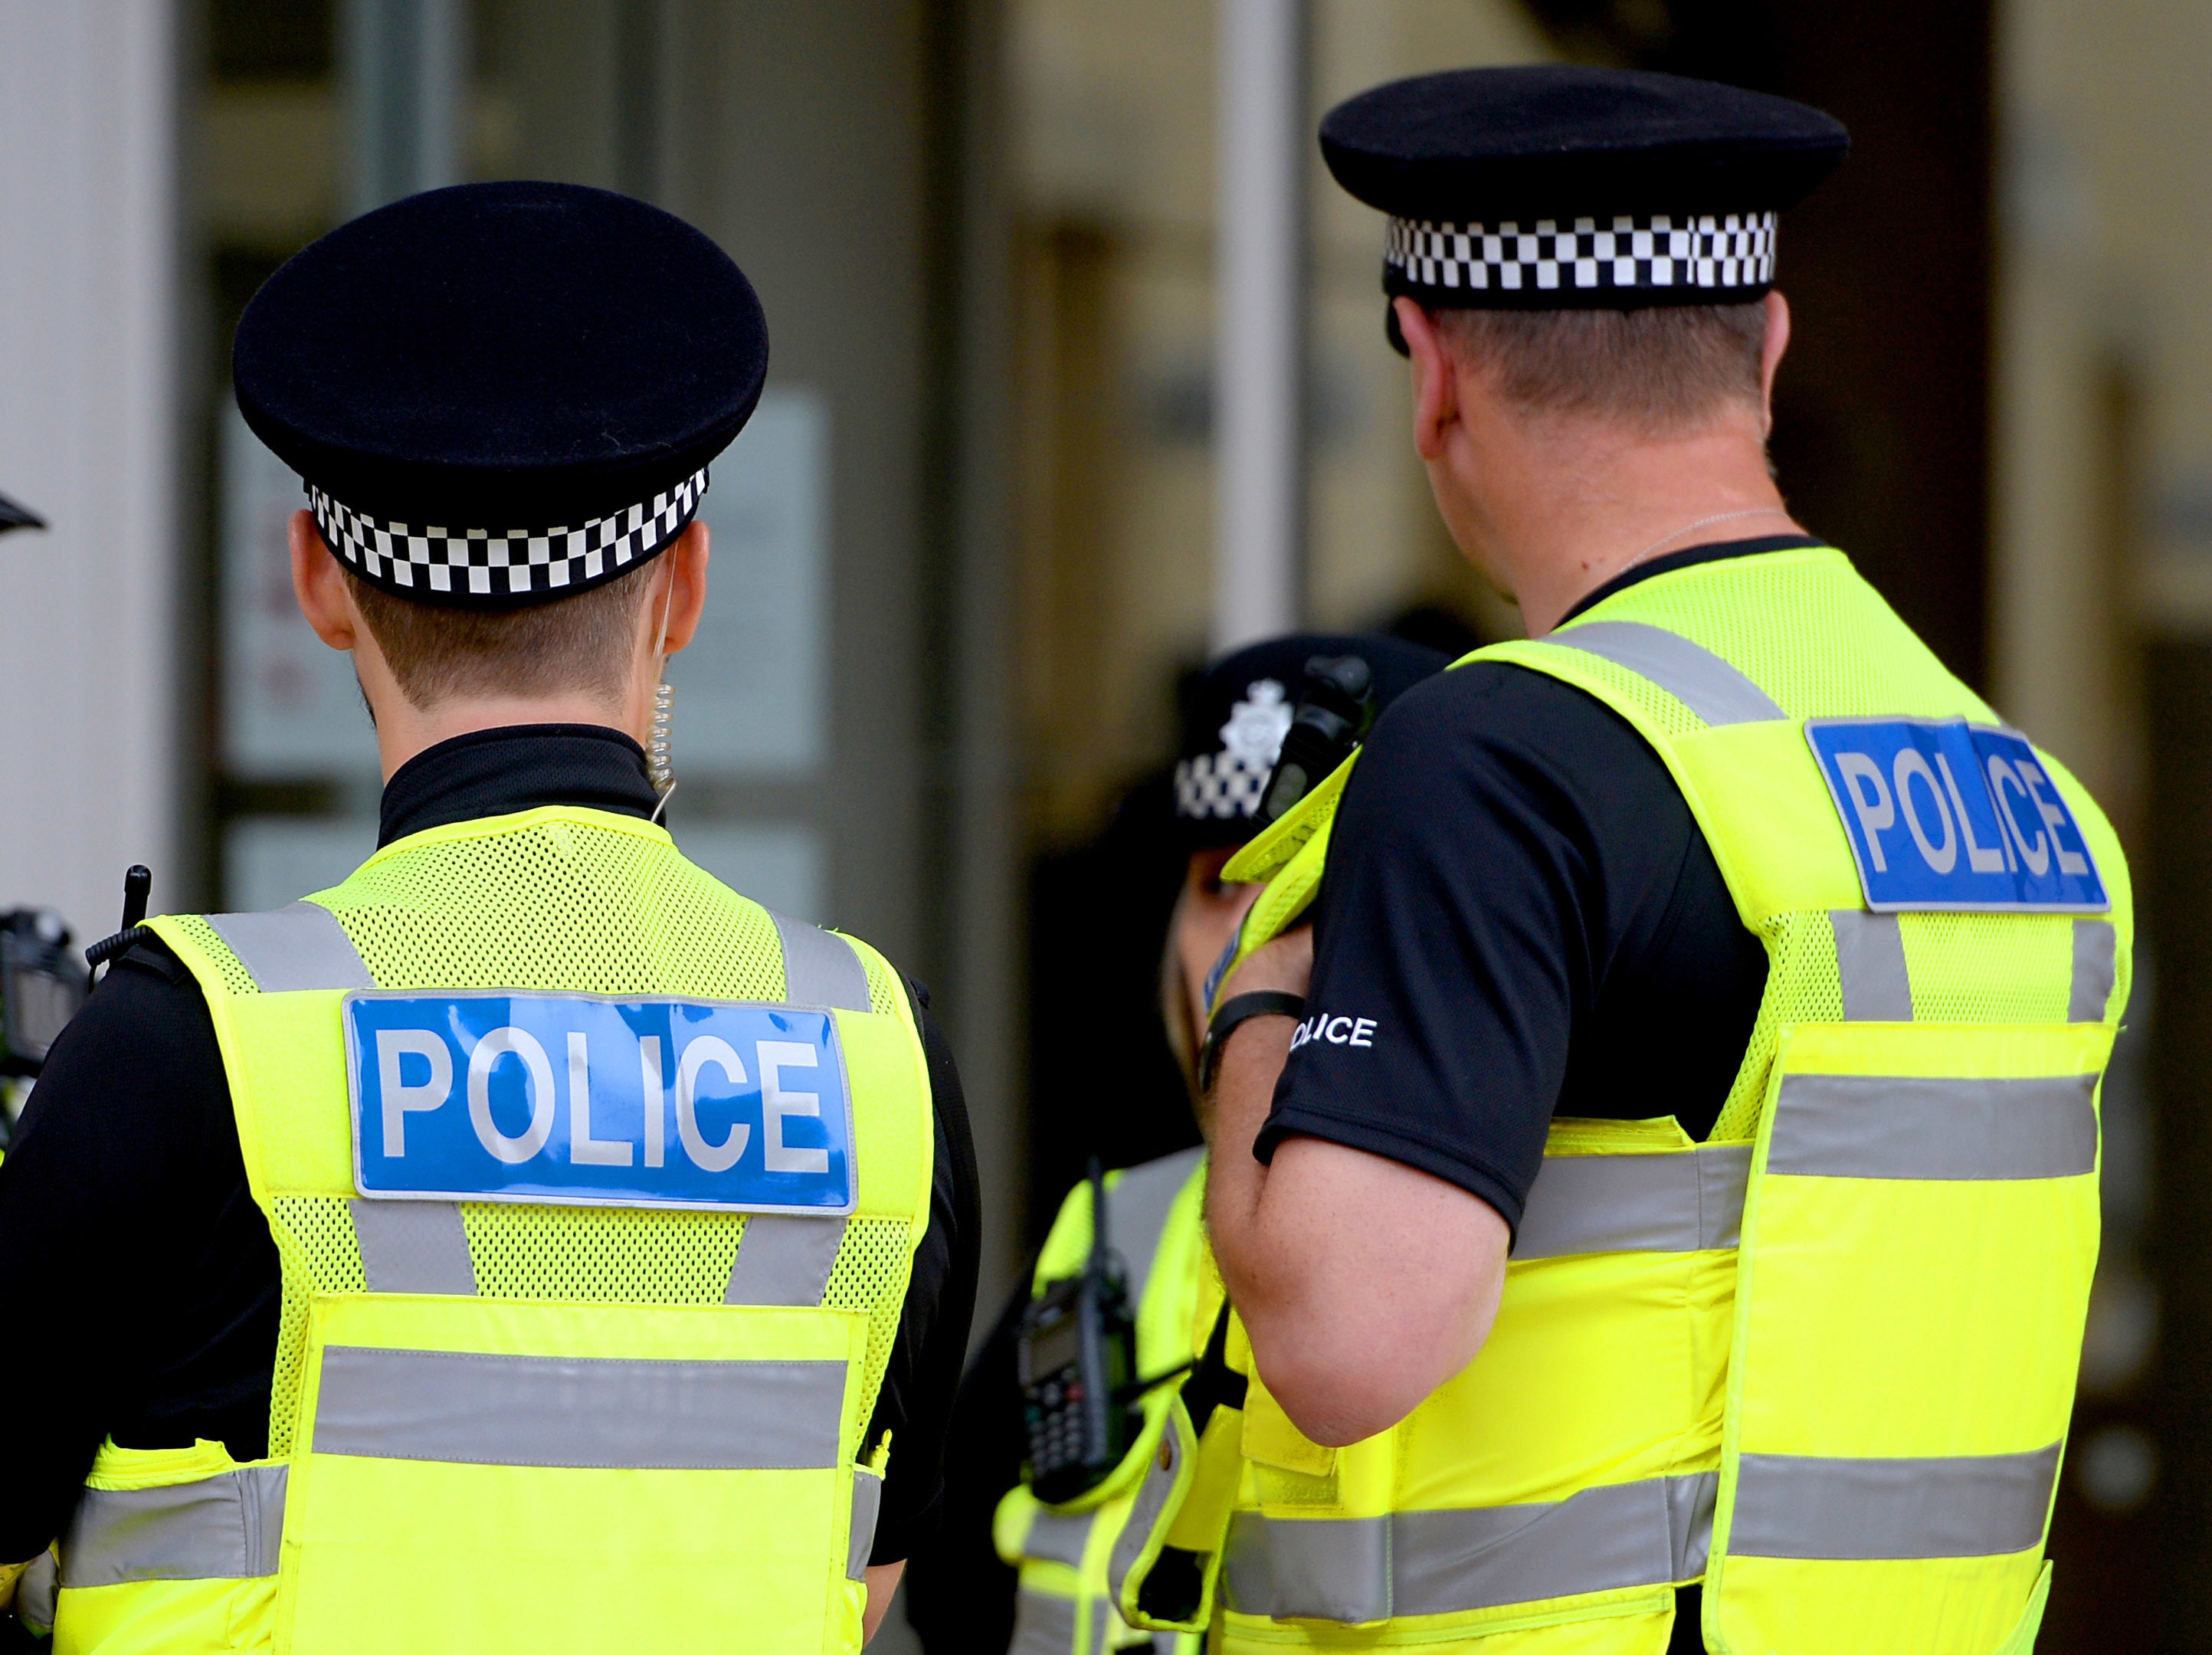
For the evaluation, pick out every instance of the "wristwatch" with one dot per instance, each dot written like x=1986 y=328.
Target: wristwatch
x=1240 y=1008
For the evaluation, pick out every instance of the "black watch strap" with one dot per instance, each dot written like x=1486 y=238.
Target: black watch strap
x=1240 y=1008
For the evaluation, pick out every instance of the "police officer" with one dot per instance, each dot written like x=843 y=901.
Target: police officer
x=1668 y=1222
x=1234 y=716
x=530 y=1243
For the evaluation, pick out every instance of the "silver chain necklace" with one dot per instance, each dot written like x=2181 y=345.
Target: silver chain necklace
x=1702 y=523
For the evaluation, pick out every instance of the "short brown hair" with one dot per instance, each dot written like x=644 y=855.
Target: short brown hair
x=582 y=642
x=1664 y=369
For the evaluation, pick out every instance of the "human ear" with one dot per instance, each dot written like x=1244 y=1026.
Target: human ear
x=1436 y=387
x=1778 y=341
x=686 y=598
x=320 y=585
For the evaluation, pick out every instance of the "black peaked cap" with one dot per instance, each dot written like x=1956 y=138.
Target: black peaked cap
x=503 y=357
x=1234 y=713
x=1557 y=187
x=1558 y=140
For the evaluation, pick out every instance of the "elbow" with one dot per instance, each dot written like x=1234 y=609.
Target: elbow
x=1339 y=1393
x=1336 y=1415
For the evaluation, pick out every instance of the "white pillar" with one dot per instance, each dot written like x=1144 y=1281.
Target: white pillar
x=89 y=713
x=1259 y=323
x=405 y=66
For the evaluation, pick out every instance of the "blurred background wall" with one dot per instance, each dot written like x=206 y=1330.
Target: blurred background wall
x=970 y=545
x=97 y=719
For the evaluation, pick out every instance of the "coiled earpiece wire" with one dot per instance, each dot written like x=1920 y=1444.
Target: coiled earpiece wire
x=659 y=748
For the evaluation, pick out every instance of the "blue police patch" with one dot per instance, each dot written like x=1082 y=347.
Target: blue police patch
x=1942 y=814
x=584 y=1100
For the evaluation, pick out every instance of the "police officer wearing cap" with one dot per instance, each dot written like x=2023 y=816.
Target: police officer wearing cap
x=1668 y=1222
x=530 y=1243
x=1050 y=1595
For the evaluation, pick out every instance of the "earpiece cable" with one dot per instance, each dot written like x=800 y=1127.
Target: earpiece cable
x=659 y=755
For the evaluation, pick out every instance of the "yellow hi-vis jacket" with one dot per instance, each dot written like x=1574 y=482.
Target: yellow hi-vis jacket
x=513 y=1425
x=1155 y=1217
x=1824 y=1361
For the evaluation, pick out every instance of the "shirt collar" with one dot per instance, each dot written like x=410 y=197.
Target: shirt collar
x=519 y=767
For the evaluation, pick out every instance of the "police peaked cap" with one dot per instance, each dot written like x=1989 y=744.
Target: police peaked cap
x=1558 y=186
x=500 y=394
x=1234 y=713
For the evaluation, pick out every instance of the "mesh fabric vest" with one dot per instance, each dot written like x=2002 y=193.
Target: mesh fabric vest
x=726 y=1502
x=1823 y=1362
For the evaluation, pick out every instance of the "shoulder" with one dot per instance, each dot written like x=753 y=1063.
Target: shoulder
x=1492 y=734
x=1068 y=1242
x=1139 y=1202
x=94 y=1107
x=1494 y=704
x=148 y=1003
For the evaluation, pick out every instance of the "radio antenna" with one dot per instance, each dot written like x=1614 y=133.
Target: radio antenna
x=1100 y=1247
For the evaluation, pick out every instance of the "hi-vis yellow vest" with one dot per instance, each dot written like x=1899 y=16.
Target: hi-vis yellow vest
x=1824 y=1361
x=1155 y=1216
x=567 y=1425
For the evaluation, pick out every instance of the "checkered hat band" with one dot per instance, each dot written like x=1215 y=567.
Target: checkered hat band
x=1648 y=254
x=1219 y=786
x=438 y=564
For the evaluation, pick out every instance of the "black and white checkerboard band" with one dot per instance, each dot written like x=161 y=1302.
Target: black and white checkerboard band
x=1722 y=251
x=1219 y=787
x=503 y=565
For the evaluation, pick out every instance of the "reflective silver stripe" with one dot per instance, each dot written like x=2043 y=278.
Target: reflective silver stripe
x=37 y=1592
x=1137 y=1207
x=1151 y=1499
x=1870 y=958
x=470 y=1409
x=224 y=1527
x=1630 y=1534
x=1058 y=1536
x=1716 y=691
x=1690 y=1502
x=1650 y=1533
x=1044 y=1624
x=1328 y=1569
x=819 y=967
x=1871 y=1126
x=413 y=1246
x=1684 y=1201
x=1978 y=1506
x=867 y=1503
x=2096 y=946
x=292 y=949
x=783 y=1260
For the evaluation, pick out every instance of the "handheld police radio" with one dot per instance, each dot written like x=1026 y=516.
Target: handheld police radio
x=1336 y=707
x=1077 y=1357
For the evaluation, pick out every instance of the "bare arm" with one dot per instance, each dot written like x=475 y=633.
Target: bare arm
x=883 y=1581
x=1365 y=1284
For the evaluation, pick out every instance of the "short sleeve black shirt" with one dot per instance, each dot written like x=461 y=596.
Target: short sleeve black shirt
x=1520 y=919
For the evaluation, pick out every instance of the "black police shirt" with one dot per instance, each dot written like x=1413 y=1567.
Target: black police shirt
x=142 y=1285
x=1520 y=919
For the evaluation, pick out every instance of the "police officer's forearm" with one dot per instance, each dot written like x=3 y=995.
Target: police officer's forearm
x=883 y=1583
x=1363 y=1284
